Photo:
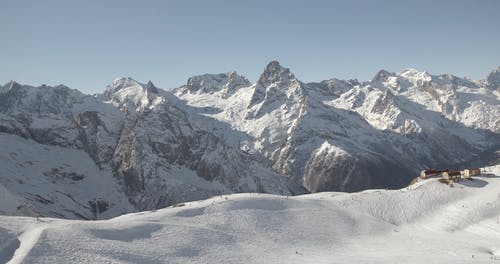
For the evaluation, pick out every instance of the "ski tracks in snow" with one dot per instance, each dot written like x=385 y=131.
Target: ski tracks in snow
x=26 y=241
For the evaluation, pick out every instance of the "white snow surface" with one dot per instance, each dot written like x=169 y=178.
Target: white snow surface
x=45 y=178
x=427 y=222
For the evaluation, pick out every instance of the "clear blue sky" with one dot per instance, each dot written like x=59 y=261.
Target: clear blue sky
x=86 y=44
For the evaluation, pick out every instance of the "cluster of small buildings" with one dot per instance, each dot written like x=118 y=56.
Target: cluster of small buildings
x=450 y=175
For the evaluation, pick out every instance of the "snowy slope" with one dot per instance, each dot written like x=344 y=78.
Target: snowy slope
x=428 y=222
x=46 y=180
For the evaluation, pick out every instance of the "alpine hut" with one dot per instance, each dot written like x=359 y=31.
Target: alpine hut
x=430 y=172
x=468 y=173
x=451 y=175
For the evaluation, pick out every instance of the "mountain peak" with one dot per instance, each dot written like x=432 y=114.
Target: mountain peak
x=122 y=83
x=493 y=79
x=276 y=84
x=273 y=66
x=210 y=83
x=11 y=85
x=150 y=87
x=126 y=90
x=275 y=73
x=411 y=73
x=381 y=76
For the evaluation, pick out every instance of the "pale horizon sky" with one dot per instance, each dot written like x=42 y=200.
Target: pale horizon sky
x=87 y=44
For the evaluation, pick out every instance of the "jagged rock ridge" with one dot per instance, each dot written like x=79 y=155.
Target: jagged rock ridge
x=137 y=147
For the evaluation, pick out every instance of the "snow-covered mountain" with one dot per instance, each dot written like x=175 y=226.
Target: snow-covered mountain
x=427 y=222
x=66 y=154
x=137 y=147
x=348 y=136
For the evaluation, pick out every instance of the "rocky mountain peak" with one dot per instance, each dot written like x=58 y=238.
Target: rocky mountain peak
x=236 y=81
x=275 y=73
x=210 y=83
x=414 y=74
x=493 y=79
x=275 y=81
x=11 y=85
x=119 y=84
x=127 y=83
x=150 y=87
x=381 y=76
x=127 y=91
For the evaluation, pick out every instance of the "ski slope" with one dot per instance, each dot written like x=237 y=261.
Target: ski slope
x=427 y=222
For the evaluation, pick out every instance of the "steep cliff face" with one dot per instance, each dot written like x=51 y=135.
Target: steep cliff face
x=140 y=144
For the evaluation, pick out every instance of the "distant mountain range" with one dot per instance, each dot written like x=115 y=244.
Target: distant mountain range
x=137 y=147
